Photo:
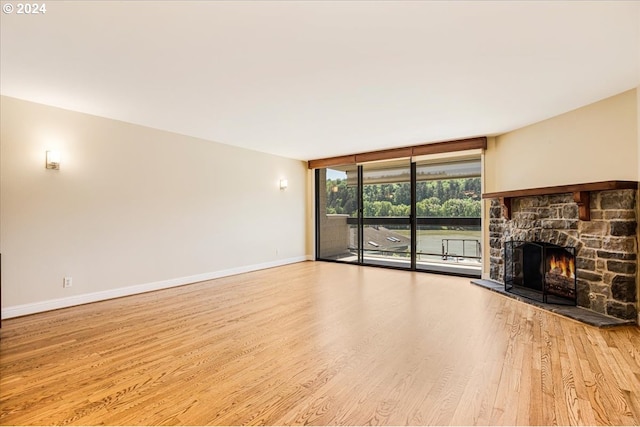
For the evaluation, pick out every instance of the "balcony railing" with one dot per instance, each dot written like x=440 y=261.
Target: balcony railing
x=442 y=221
x=448 y=244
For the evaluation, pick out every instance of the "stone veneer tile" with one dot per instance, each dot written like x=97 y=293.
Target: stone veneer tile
x=593 y=227
x=626 y=267
x=621 y=199
x=618 y=214
x=623 y=228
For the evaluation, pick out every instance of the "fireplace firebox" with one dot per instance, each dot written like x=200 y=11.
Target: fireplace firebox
x=541 y=271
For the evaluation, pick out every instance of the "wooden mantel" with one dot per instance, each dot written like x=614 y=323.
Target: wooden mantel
x=581 y=194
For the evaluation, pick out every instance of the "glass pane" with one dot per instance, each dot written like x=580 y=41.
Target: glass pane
x=388 y=245
x=448 y=210
x=386 y=173
x=462 y=169
x=449 y=249
x=386 y=195
x=338 y=208
x=387 y=189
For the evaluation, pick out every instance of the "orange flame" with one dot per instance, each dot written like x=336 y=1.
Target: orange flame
x=565 y=264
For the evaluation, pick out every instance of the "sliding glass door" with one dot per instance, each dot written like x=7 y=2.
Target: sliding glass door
x=386 y=214
x=421 y=215
x=448 y=212
x=337 y=214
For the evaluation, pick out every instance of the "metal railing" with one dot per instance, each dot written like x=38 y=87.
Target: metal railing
x=456 y=249
x=446 y=253
x=443 y=221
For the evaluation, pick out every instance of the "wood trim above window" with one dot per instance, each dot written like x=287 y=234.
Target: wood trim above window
x=395 y=153
x=398 y=153
x=450 y=146
x=332 y=161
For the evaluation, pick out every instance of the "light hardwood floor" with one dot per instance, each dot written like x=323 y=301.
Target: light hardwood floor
x=317 y=343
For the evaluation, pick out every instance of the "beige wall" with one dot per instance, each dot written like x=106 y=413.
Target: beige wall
x=598 y=142
x=134 y=208
x=311 y=214
x=486 y=204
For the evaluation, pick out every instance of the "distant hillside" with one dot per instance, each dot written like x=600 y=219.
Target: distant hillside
x=442 y=198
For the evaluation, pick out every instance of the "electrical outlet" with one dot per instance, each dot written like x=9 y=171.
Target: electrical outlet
x=67 y=282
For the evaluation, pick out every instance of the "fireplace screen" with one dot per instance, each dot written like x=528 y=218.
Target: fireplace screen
x=541 y=271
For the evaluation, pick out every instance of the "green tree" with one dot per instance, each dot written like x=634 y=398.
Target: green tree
x=400 y=210
x=430 y=207
x=454 y=197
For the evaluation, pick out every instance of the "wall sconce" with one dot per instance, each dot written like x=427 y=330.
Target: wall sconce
x=53 y=160
x=284 y=184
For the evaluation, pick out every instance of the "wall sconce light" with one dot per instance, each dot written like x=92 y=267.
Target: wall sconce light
x=53 y=160
x=284 y=184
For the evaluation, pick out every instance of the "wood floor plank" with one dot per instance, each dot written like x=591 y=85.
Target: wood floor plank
x=317 y=344
x=582 y=411
x=535 y=413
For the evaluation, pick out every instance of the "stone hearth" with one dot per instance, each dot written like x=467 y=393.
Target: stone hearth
x=606 y=245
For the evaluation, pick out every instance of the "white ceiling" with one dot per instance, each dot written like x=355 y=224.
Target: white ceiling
x=322 y=78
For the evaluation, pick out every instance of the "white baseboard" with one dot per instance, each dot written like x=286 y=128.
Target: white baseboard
x=54 y=304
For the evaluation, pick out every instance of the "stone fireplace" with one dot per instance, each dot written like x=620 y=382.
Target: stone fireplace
x=598 y=221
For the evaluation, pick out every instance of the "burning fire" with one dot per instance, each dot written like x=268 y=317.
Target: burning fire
x=562 y=265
